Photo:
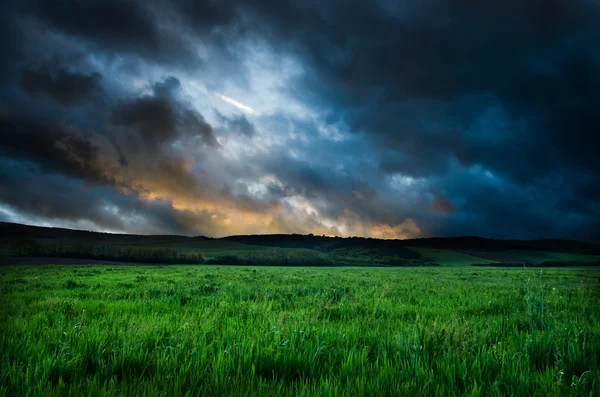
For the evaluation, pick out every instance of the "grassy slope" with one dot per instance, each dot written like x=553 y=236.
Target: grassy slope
x=449 y=258
x=101 y=330
x=544 y=256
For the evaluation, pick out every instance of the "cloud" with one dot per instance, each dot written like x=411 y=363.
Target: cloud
x=78 y=205
x=154 y=117
x=196 y=125
x=66 y=88
x=134 y=26
x=238 y=124
x=51 y=145
x=407 y=229
x=443 y=206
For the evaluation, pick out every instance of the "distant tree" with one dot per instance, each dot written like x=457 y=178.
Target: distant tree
x=25 y=248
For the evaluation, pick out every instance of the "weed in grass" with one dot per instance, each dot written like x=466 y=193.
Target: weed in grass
x=535 y=301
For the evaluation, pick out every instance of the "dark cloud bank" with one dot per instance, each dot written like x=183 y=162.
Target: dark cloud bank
x=448 y=118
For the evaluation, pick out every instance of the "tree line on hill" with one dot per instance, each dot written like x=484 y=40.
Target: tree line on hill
x=268 y=257
x=32 y=248
x=303 y=257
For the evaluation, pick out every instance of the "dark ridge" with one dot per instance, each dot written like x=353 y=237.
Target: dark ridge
x=450 y=243
x=329 y=244
x=16 y=231
x=13 y=231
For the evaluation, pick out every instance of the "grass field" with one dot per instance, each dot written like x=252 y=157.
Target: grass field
x=214 y=330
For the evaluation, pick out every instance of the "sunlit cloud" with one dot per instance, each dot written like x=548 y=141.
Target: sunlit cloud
x=407 y=229
x=238 y=105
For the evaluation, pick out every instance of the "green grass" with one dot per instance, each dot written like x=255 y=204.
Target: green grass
x=214 y=330
x=450 y=258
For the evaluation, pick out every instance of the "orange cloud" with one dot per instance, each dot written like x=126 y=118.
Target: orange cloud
x=407 y=229
x=443 y=205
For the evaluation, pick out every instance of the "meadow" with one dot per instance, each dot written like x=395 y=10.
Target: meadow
x=307 y=331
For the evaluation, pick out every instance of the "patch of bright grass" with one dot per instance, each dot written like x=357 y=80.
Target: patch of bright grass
x=546 y=256
x=450 y=258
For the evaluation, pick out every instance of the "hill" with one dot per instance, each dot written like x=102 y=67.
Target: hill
x=292 y=249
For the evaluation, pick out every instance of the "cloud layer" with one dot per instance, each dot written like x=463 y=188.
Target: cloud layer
x=386 y=119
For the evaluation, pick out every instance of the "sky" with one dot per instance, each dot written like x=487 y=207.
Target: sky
x=387 y=119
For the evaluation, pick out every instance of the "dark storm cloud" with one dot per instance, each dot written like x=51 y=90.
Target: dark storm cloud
x=414 y=83
x=238 y=124
x=127 y=26
x=155 y=118
x=205 y=16
x=26 y=187
x=66 y=88
x=110 y=155
x=93 y=157
x=169 y=87
x=194 y=124
x=48 y=144
x=468 y=117
x=160 y=118
x=155 y=31
x=477 y=211
x=443 y=206
x=510 y=86
x=131 y=24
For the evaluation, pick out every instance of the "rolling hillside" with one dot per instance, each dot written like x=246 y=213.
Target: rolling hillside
x=307 y=249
